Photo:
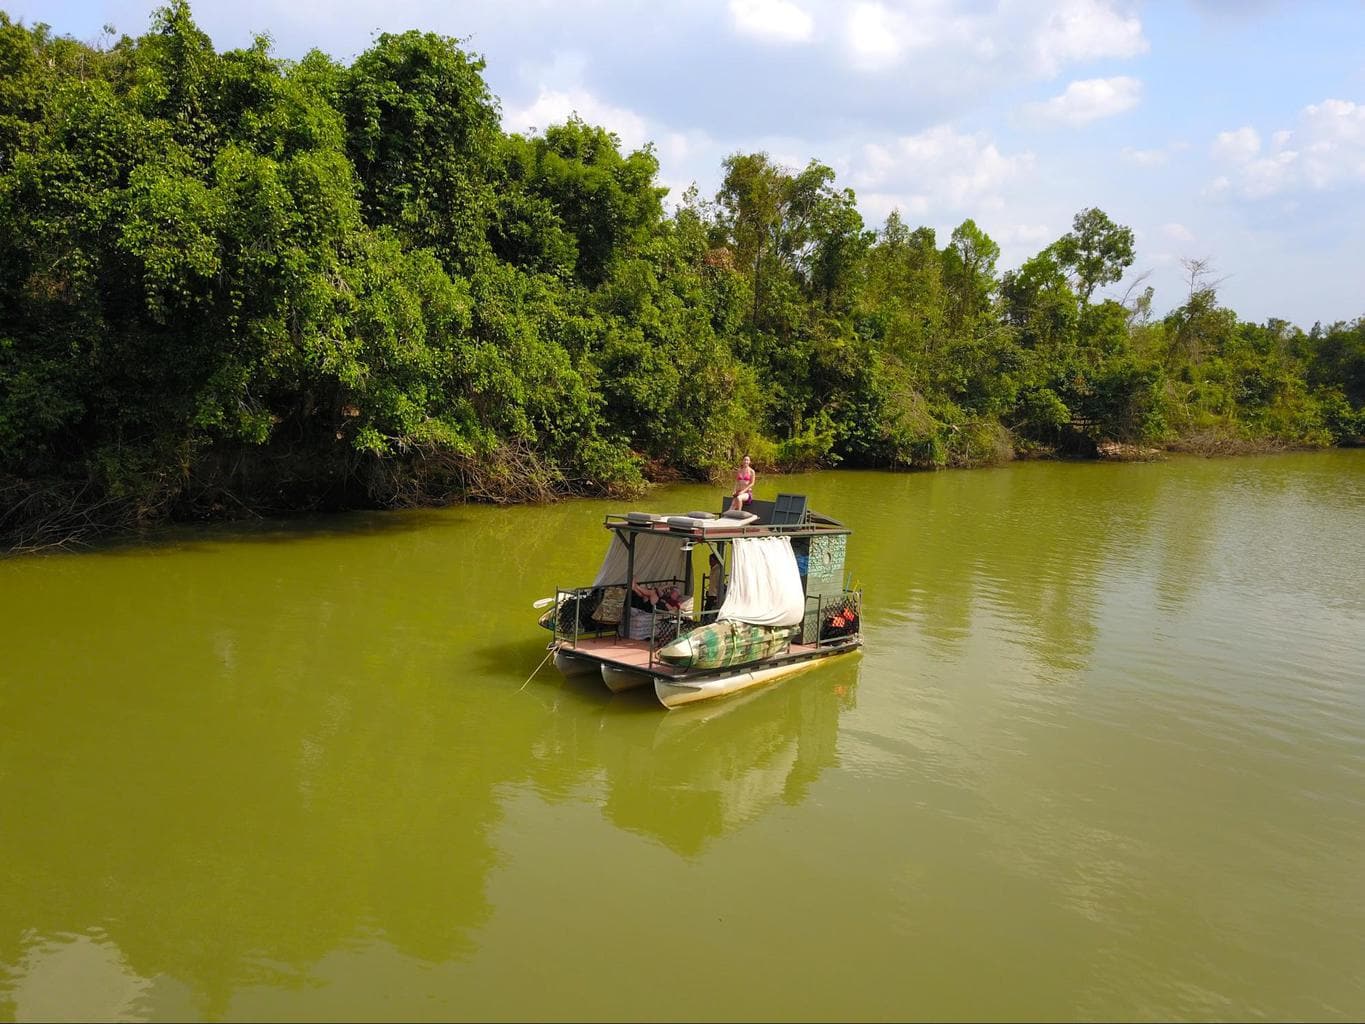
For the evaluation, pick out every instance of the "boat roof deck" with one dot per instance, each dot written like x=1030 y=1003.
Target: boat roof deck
x=788 y=516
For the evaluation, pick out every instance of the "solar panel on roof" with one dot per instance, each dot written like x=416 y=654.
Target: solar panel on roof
x=789 y=510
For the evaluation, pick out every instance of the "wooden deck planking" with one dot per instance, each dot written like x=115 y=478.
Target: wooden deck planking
x=635 y=653
x=619 y=651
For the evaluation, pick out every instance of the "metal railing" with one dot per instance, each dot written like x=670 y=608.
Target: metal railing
x=616 y=520
x=574 y=608
x=569 y=608
x=838 y=619
x=678 y=621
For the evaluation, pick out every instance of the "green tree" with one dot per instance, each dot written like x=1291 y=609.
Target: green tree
x=575 y=190
x=1096 y=251
x=969 y=275
x=789 y=228
x=1040 y=304
x=836 y=260
x=904 y=305
x=1338 y=360
x=422 y=130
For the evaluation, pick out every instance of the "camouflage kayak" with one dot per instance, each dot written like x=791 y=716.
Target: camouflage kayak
x=723 y=644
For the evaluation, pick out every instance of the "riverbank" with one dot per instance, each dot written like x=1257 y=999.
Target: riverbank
x=55 y=514
x=307 y=297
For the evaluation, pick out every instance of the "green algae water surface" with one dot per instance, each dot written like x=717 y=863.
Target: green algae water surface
x=1103 y=757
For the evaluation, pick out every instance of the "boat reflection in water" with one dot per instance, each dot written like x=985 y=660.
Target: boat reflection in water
x=705 y=771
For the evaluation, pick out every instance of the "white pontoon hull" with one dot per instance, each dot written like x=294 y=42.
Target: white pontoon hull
x=674 y=693
x=677 y=688
x=618 y=679
x=572 y=665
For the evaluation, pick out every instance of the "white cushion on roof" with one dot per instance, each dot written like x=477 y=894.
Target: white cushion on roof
x=734 y=517
x=709 y=525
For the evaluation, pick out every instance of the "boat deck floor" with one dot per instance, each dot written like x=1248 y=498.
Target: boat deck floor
x=634 y=654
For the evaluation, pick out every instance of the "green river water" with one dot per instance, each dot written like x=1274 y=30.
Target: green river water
x=1103 y=756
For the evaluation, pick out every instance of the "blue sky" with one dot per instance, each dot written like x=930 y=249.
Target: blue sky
x=1227 y=131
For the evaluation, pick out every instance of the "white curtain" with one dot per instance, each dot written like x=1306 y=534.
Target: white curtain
x=658 y=556
x=765 y=584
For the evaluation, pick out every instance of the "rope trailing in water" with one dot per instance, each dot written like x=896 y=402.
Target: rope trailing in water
x=548 y=655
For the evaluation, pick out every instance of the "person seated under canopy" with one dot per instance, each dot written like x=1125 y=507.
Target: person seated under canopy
x=661 y=598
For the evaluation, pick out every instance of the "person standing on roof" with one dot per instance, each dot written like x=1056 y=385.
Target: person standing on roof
x=744 y=486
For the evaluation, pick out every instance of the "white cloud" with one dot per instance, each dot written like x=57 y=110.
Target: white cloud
x=772 y=21
x=1081 y=30
x=554 y=106
x=949 y=47
x=938 y=168
x=1177 y=232
x=875 y=36
x=1023 y=235
x=1325 y=150
x=682 y=146
x=1332 y=135
x=877 y=206
x=1269 y=175
x=1145 y=157
x=1089 y=100
x=685 y=158
x=1238 y=146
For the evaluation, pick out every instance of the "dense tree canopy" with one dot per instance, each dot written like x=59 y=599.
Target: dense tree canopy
x=231 y=281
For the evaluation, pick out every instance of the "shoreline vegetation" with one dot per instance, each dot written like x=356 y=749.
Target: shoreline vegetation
x=235 y=285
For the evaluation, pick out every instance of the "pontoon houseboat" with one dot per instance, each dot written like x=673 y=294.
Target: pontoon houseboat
x=774 y=600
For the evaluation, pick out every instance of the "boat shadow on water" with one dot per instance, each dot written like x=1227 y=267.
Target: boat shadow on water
x=507 y=665
x=698 y=773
